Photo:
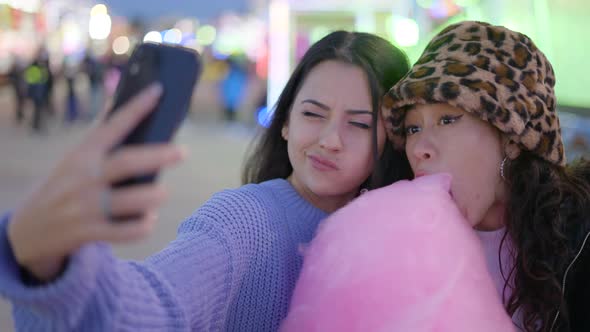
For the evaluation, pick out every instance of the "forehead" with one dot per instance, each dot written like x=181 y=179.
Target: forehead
x=335 y=82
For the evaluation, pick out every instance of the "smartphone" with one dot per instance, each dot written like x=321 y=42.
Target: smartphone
x=177 y=69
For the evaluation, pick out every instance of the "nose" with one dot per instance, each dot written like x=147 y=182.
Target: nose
x=330 y=138
x=422 y=147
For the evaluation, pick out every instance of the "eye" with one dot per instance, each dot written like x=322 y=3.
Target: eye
x=411 y=130
x=360 y=125
x=448 y=119
x=311 y=114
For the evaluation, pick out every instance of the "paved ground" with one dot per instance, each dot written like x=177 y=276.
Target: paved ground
x=217 y=152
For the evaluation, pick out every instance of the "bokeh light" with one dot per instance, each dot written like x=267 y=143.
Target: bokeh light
x=172 y=36
x=98 y=10
x=466 y=3
x=73 y=39
x=121 y=45
x=99 y=26
x=153 y=37
x=206 y=35
x=425 y=3
x=264 y=116
x=405 y=31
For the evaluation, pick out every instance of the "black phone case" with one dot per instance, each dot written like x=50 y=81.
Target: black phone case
x=177 y=69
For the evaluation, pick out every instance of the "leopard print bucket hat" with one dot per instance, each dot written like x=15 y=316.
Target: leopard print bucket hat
x=492 y=72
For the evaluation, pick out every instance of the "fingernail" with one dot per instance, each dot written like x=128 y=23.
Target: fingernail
x=156 y=88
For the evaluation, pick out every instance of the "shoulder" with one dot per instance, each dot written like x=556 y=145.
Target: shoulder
x=239 y=207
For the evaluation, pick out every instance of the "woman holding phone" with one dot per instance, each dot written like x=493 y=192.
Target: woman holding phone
x=234 y=263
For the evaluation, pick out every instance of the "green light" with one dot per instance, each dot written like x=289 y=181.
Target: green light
x=228 y=43
x=318 y=33
x=206 y=35
x=466 y=3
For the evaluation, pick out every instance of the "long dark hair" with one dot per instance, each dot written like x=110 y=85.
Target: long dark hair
x=545 y=205
x=384 y=65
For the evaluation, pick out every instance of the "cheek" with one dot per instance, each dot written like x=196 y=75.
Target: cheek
x=301 y=135
x=358 y=152
x=408 y=148
x=296 y=144
x=474 y=188
x=357 y=142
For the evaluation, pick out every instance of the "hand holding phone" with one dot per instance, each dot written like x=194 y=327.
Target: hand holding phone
x=177 y=69
x=66 y=210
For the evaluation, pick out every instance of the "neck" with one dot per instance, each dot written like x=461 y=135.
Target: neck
x=493 y=219
x=326 y=203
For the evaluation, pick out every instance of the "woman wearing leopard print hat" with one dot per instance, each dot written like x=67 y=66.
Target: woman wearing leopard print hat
x=480 y=104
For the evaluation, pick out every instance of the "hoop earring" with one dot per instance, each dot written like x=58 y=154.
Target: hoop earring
x=502 y=164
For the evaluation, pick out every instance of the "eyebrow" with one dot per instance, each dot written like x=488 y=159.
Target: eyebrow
x=327 y=108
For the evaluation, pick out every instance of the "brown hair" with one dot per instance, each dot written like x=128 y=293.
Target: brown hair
x=546 y=201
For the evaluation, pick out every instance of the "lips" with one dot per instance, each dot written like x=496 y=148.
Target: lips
x=322 y=164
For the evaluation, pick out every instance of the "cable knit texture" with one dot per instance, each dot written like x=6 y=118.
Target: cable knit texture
x=232 y=267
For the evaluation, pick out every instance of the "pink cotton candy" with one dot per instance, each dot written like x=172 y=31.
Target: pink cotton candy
x=401 y=258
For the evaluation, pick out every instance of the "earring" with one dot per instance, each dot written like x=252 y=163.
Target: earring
x=502 y=168
x=363 y=191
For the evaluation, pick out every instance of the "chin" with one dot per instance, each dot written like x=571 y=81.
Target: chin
x=327 y=189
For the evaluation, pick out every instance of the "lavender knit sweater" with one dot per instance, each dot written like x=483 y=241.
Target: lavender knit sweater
x=232 y=267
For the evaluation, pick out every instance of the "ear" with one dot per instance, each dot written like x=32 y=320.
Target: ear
x=285 y=132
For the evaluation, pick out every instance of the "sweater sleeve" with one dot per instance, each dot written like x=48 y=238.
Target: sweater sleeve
x=186 y=286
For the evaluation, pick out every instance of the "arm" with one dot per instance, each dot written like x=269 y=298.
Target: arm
x=187 y=286
x=97 y=292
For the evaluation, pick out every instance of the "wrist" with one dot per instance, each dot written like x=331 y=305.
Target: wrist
x=42 y=273
x=40 y=268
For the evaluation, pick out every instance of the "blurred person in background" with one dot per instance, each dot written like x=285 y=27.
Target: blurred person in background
x=17 y=81
x=94 y=70
x=39 y=80
x=49 y=89
x=233 y=87
x=234 y=263
x=71 y=70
